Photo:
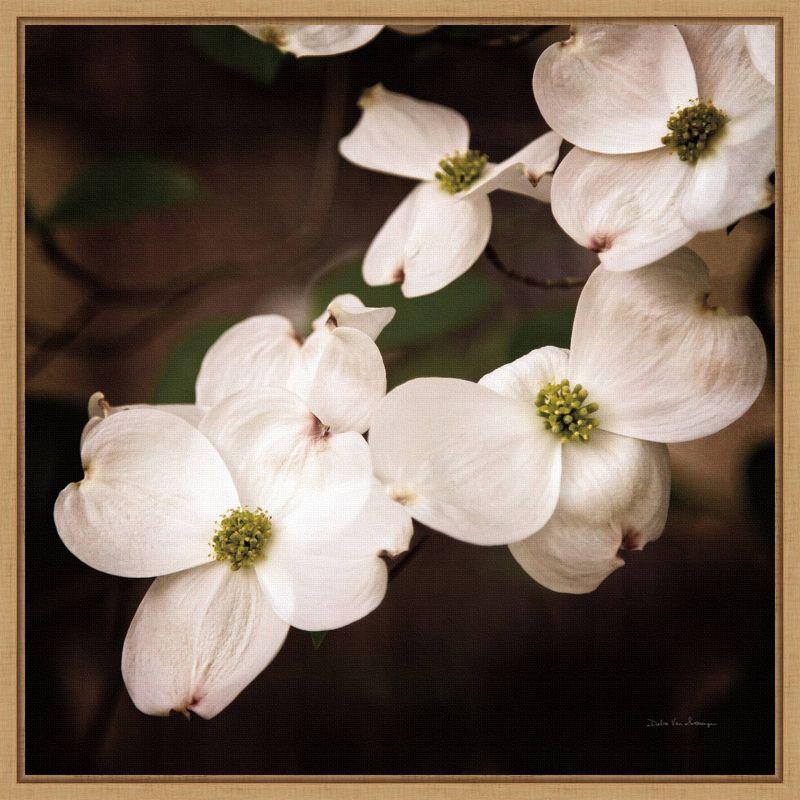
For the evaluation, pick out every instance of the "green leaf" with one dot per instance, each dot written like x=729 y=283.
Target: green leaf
x=317 y=638
x=418 y=319
x=231 y=47
x=121 y=187
x=179 y=373
x=548 y=326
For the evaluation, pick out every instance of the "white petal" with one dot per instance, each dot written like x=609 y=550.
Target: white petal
x=730 y=183
x=326 y=40
x=314 y=40
x=382 y=526
x=320 y=592
x=347 y=311
x=540 y=192
x=624 y=208
x=726 y=75
x=341 y=377
x=320 y=582
x=281 y=460
x=397 y=528
x=570 y=554
x=98 y=406
x=614 y=494
x=384 y=261
x=465 y=460
x=429 y=241
x=153 y=493
x=523 y=172
x=403 y=136
x=661 y=364
x=198 y=638
x=91 y=423
x=257 y=352
x=522 y=379
x=612 y=476
x=760 y=40
x=611 y=88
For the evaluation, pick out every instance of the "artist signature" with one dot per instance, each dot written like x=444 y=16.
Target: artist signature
x=678 y=723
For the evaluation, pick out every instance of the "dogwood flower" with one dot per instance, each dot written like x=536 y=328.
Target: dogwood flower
x=255 y=519
x=441 y=228
x=561 y=453
x=323 y=40
x=675 y=134
x=338 y=371
x=313 y=40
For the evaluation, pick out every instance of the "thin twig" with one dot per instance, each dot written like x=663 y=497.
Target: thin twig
x=546 y=283
x=71 y=336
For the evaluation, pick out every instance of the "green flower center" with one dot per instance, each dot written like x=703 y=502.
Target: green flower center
x=241 y=537
x=691 y=129
x=461 y=170
x=566 y=412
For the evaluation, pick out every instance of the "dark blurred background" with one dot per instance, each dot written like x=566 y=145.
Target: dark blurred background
x=179 y=179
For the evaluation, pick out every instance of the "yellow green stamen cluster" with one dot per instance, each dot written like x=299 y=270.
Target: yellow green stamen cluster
x=566 y=412
x=692 y=128
x=461 y=170
x=241 y=537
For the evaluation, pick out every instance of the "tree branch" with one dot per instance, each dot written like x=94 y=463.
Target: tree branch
x=494 y=259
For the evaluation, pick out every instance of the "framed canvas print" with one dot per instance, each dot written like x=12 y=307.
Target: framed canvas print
x=399 y=399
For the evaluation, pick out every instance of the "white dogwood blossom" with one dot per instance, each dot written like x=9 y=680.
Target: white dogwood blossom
x=441 y=228
x=313 y=40
x=254 y=518
x=323 y=40
x=674 y=130
x=338 y=370
x=561 y=453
